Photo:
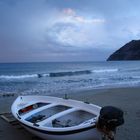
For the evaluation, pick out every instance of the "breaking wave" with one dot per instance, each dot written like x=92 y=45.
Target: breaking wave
x=105 y=70
x=17 y=76
x=69 y=73
x=39 y=75
x=56 y=74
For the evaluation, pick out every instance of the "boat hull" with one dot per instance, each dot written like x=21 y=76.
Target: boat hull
x=91 y=134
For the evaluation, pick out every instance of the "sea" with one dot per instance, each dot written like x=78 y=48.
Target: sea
x=48 y=78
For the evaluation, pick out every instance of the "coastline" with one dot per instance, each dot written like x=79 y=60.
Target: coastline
x=125 y=98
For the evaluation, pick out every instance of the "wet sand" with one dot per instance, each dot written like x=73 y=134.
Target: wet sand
x=125 y=98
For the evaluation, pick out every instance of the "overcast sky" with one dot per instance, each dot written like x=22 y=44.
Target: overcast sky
x=66 y=30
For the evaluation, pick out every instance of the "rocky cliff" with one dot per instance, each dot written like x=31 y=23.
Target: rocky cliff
x=130 y=51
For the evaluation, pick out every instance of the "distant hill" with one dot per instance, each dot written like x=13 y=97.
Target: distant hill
x=130 y=51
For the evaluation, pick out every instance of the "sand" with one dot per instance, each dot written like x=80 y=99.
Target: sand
x=125 y=98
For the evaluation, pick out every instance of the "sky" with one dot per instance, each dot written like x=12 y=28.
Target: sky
x=66 y=30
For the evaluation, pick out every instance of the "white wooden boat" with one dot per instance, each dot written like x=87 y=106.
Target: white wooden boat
x=53 y=118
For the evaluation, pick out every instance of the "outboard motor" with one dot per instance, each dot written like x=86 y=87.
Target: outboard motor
x=109 y=119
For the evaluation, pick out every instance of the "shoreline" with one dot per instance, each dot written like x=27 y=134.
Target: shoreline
x=125 y=98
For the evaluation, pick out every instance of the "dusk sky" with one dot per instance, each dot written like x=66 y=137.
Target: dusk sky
x=66 y=30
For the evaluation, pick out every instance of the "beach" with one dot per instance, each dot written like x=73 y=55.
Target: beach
x=125 y=98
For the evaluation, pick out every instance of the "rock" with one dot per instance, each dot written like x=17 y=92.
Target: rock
x=130 y=51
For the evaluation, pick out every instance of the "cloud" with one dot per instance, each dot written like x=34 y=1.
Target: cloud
x=70 y=29
x=69 y=11
x=84 y=20
x=71 y=16
x=66 y=29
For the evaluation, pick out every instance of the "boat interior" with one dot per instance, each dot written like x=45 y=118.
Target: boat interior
x=56 y=116
x=72 y=119
x=46 y=113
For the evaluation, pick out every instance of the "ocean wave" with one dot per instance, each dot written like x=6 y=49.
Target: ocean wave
x=18 y=76
x=105 y=70
x=136 y=77
x=56 y=74
x=45 y=75
x=69 y=73
x=40 y=75
x=125 y=78
x=133 y=70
